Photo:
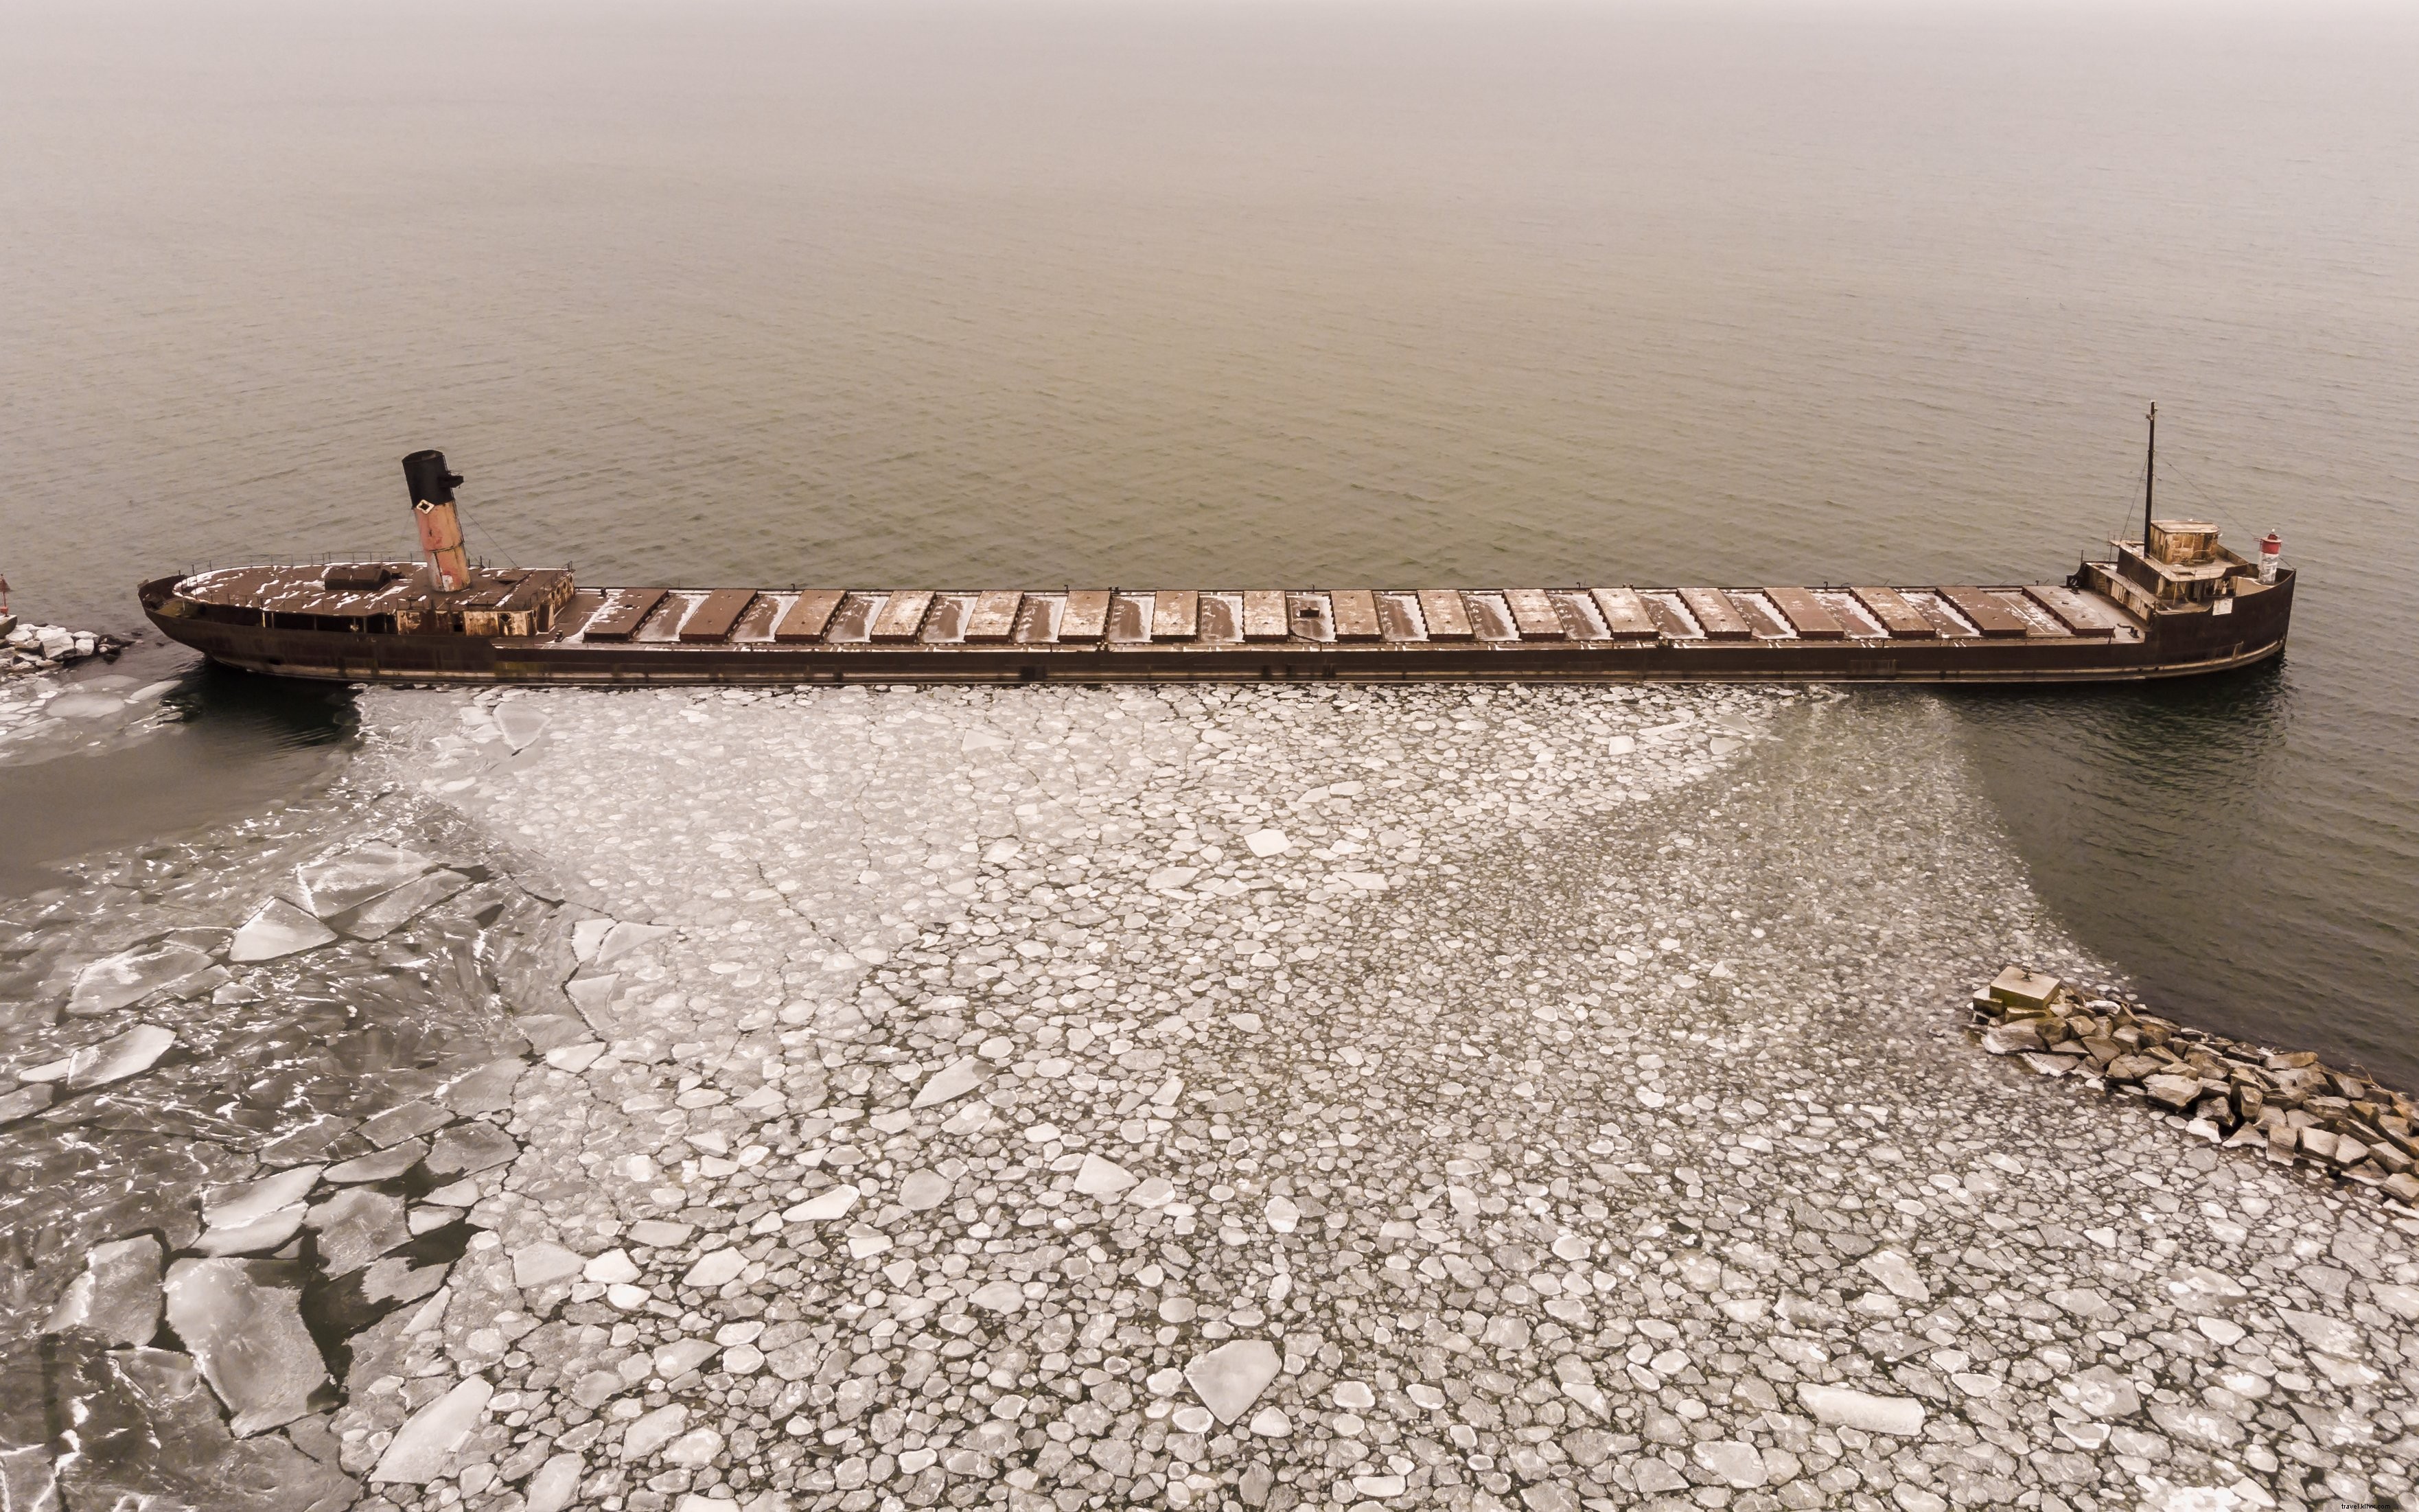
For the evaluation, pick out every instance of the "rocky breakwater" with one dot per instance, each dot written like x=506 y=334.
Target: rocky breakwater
x=2282 y=1103
x=46 y=710
x=27 y=649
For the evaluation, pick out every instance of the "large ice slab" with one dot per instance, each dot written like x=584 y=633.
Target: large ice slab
x=108 y=985
x=346 y=882
x=279 y=929
x=247 y=1334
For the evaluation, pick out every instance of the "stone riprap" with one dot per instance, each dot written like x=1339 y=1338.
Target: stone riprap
x=2282 y=1102
x=27 y=649
x=1258 y=1097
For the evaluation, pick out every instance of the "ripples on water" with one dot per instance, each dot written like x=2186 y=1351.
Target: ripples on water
x=1033 y=293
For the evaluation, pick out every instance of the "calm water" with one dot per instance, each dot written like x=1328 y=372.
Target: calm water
x=1029 y=293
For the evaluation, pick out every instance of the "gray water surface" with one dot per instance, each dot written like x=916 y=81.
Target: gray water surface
x=1040 y=293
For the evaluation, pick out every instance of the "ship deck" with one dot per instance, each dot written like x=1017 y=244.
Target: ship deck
x=1365 y=619
x=345 y=622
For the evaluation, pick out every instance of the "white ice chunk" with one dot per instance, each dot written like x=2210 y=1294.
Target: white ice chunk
x=1841 y=1407
x=822 y=1207
x=623 y=938
x=385 y=914
x=587 y=936
x=1230 y=1378
x=360 y=875
x=1267 y=842
x=120 y=1057
x=555 y=1484
x=117 y=1296
x=424 y=1444
x=232 y=1207
x=249 y=1340
x=545 y=1263
x=1896 y=1271
x=1099 y=1178
x=83 y=706
x=107 y=985
x=521 y=721
x=271 y=1231
x=954 y=1080
x=280 y=929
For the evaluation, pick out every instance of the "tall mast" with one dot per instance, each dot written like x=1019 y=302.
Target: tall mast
x=2149 y=480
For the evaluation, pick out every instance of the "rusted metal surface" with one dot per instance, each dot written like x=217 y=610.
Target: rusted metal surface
x=944 y=623
x=1037 y=619
x=807 y=619
x=755 y=627
x=713 y=619
x=1356 y=615
x=2078 y=611
x=852 y=624
x=1490 y=617
x=1855 y=620
x=994 y=614
x=1447 y=616
x=1670 y=615
x=902 y=616
x=1264 y=615
x=1582 y=620
x=1625 y=613
x=1808 y=618
x=663 y=625
x=624 y=613
x=1534 y=614
x=1085 y=616
x=362 y=576
x=1714 y=614
x=2167 y=643
x=306 y=590
x=1992 y=618
x=1130 y=617
x=1902 y=620
x=2038 y=621
x=1312 y=616
x=1946 y=621
x=2185 y=605
x=583 y=606
x=1763 y=619
x=1175 y=614
x=1222 y=618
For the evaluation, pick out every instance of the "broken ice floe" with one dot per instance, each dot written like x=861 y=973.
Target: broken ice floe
x=919 y=1145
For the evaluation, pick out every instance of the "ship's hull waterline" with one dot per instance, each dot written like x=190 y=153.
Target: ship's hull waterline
x=2061 y=634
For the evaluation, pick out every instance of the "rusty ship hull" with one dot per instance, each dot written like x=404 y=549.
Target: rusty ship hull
x=284 y=622
x=2174 y=604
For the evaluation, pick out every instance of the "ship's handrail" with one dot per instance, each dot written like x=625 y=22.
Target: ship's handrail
x=409 y=557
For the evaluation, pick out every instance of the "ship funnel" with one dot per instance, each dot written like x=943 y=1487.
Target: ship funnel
x=441 y=526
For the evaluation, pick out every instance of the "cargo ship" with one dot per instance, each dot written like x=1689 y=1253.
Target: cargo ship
x=2173 y=603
